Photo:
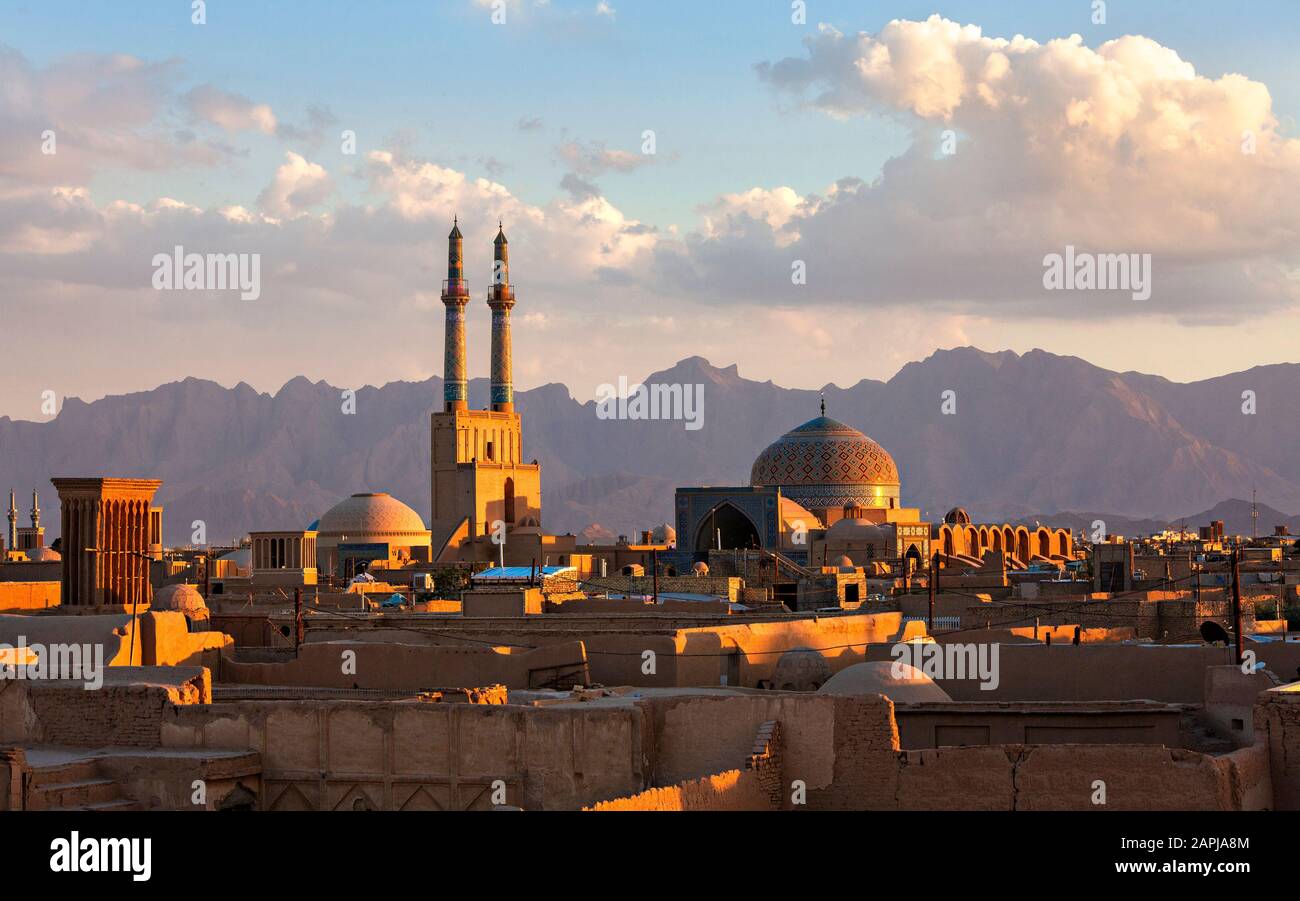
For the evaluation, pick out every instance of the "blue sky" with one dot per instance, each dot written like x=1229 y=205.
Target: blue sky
x=771 y=146
x=441 y=74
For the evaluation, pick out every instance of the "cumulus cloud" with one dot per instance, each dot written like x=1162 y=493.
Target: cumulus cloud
x=312 y=131
x=60 y=236
x=578 y=187
x=730 y=214
x=593 y=158
x=298 y=185
x=1119 y=148
x=83 y=113
x=1122 y=148
x=232 y=112
x=568 y=238
x=66 y=257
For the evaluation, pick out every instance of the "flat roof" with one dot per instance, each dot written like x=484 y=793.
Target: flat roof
x=521 y=573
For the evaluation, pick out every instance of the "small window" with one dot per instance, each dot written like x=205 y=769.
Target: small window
x=1239 y=725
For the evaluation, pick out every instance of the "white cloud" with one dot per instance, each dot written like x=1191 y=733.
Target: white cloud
x=231 y=112
x=727 y=214
x=1122 y=148
x=298 y=185
x=593 y=158
x=101 y=111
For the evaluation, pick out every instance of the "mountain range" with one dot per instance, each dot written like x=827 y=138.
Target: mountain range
x=1021 y=437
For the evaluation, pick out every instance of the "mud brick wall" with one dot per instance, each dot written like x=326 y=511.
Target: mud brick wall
x=1061 y=777
x=1277 y=724
x=765 y=760
x=130 y=715
x=732 y=790
x=322 y=754
x=865 y=742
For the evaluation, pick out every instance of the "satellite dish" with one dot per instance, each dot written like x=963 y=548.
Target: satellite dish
x=1213 y=633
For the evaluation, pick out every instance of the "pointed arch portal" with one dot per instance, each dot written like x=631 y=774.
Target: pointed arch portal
x=738 y=531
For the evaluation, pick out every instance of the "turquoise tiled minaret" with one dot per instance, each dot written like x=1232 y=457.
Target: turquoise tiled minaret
x=455 y=296
x=501 y=298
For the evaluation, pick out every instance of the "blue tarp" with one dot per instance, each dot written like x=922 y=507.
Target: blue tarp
x=521 y=573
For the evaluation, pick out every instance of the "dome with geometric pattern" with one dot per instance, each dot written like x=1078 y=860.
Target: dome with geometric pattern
x=824 y=463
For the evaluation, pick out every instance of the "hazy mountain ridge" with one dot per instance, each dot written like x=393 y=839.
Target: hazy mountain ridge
x=1031 y=433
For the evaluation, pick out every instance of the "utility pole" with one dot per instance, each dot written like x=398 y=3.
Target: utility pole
x=654 y=564
x=1236 y=603
x=934 y=576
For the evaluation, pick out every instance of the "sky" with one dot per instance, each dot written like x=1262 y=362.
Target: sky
x=818 y=198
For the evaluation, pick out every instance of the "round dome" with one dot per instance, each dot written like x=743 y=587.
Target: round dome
x=664 y=534
x=843 y=562
x=877 y=678
x=370 y=513
x=858 y=530
x=700 y=568
x=957 y=516
x=182 y=598
x=44 y=555
x=824 y=463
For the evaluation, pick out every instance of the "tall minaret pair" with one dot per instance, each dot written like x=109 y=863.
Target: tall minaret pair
x=12 y=542
x=501 y=299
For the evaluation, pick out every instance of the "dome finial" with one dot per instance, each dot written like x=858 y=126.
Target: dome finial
x=823 y=404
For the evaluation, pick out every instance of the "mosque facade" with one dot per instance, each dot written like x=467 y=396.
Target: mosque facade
x=481 y=489
x=478 y=477
x=825 y=493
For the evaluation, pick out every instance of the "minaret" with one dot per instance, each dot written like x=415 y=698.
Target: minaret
x=36 y=510
x=455 y=295
x=13 y=522
x=501 y=298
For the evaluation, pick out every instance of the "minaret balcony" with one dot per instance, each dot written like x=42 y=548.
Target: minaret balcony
x=501 y=294
x=455 y=287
